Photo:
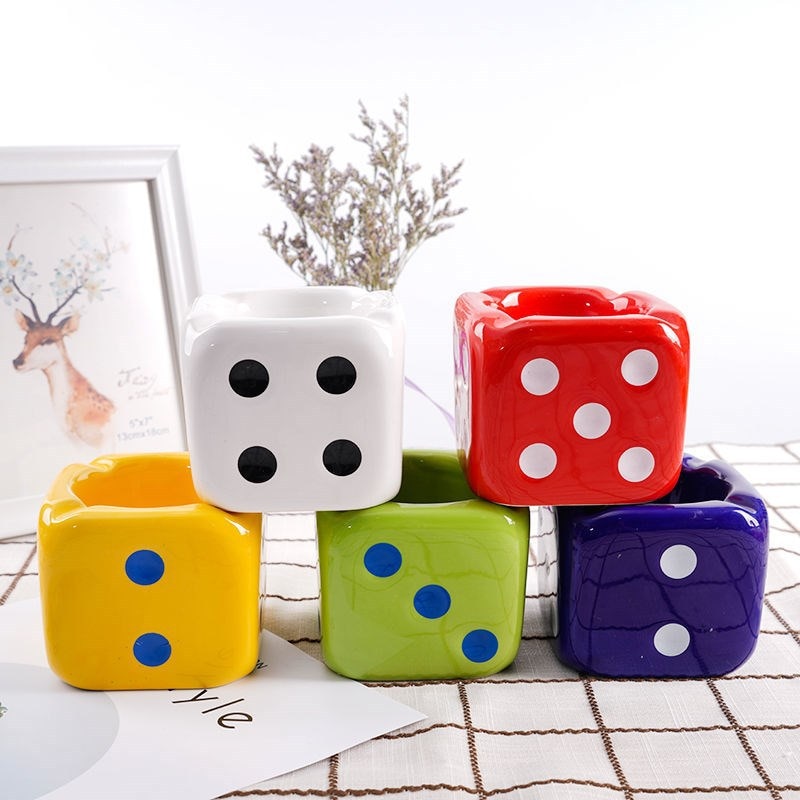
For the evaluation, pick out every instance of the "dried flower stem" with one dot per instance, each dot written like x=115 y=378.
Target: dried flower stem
x=353 y=228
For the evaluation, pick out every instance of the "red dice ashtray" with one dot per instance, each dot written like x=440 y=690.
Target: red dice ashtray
x=570 y=395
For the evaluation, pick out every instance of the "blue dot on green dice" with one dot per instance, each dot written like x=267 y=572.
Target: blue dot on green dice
x=382 y=560
x=479 y=645
x=432 y=601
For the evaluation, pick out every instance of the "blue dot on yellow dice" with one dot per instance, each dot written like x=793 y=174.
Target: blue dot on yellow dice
x=144 y=567
x=152 y=649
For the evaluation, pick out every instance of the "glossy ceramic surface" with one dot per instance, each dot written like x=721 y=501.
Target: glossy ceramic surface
x=670 y=588
x=429 y=585
x=294 y=398
x=143 y=586
x=570 y=396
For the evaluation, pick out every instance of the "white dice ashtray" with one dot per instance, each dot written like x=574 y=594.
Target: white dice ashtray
x=294 y=398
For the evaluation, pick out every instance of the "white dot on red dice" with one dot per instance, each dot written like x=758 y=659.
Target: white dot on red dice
x=591 y=420
x=639 y=367
x=538 y=460
x=539 y=376
x=671 y=639
x=636 y=464
x=678 y=561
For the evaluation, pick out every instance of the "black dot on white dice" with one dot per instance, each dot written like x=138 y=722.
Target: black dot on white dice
x=257 y=464
x=336 y=375
x=341 y=457
x=248 y=378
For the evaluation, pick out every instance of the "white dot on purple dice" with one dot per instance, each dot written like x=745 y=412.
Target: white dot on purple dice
x=591 y=420
x=538 y=460
x=678 y=561
x=636 y=464
x=671 y=639
x=539 y=376
x=639 y=367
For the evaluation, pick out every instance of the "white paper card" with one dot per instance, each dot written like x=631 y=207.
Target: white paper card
x=67 y=744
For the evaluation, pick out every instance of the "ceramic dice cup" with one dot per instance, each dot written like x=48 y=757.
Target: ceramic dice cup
x=664 y=589
x=294 y=398
x=430 y=585
x=142 y=585
x=570 y=395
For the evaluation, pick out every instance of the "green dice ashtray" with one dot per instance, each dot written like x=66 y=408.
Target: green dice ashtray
x=430 y=585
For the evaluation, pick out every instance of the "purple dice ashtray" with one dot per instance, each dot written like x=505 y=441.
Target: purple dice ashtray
x=671 y=588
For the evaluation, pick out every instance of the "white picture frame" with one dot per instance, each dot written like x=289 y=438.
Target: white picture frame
x=106 y=229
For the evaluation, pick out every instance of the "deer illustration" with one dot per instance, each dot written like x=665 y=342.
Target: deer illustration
x=82 y=411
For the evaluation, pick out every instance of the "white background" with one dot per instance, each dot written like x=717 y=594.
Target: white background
x=636 y=145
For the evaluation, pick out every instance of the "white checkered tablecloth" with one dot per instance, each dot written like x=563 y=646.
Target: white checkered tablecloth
x=539 y=729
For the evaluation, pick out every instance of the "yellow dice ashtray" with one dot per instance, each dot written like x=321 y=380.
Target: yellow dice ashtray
x=143 y=585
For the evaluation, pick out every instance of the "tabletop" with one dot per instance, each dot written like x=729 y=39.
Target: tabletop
x=540 y=729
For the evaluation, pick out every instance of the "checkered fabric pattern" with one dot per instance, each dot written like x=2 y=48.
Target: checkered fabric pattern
x=539 y=729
